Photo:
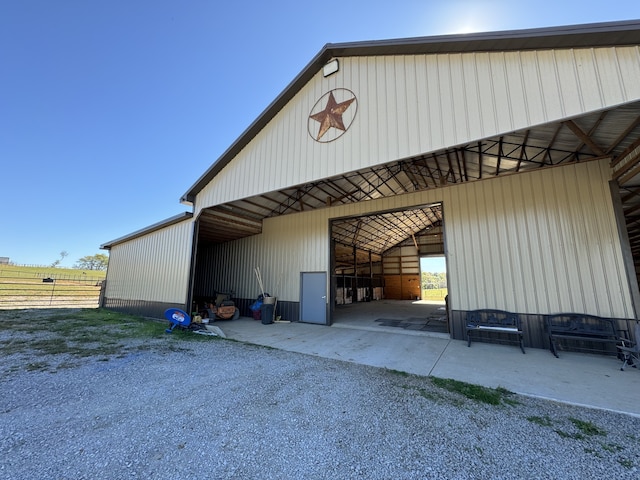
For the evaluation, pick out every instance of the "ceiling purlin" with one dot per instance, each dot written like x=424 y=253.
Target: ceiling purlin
x=625 y=153
x=480 y=160
x=371 y=185
x=590 y=133
x=259 y=206
x=547 y=150
x=632 y=192
x=451 y=171
x=631 y=172
x=499 y=156
x=381 y=181
x=342 y=193
x=418 y=222
x=330 y=196
x=296 y=197
x=633 y=209
x=237 y=207
x=425 y=163
x=586 y=139
x=312 y=192
x=413 y=174
x=357 y=188
x=457 y=163
x=441 y=178
x=623 y=135
x=233 y=216
x=369 y=237
x=523 y=150
x=395 y=172
x=464 y=164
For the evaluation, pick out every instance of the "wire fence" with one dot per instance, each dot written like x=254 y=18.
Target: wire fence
x=20 y=290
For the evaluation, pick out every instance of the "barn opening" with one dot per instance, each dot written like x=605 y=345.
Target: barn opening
x=377 y=279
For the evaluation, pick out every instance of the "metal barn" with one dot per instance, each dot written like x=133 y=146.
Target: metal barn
x=515 y=155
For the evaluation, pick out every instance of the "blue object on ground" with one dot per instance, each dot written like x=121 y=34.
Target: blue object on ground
x=176 y=317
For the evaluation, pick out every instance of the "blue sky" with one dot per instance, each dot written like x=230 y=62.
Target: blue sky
x=111 y=110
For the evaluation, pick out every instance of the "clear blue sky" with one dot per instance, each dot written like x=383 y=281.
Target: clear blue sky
x=111 y=109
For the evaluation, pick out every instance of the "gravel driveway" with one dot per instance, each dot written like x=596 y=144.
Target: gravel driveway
x=223 y=409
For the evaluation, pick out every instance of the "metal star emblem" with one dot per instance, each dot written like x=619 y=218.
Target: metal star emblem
x=331 y=116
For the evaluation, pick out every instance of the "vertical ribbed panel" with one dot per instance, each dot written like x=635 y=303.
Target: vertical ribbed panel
x=409 y=105
x=536 y=243
x=542 y=243
x=287 y=246
x=154 y=267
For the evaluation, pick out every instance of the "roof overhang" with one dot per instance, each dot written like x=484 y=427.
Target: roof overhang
x=150 y=229
x=576 y=36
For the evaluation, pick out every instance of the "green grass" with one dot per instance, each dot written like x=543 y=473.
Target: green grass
x=14 y=271
x=475 y=392
x=587 y=428
x=434 y=294
x=61 y=338
x=542 y=421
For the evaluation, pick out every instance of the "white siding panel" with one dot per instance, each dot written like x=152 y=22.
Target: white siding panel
x=629 y=65
x=540 y=242
x=570 y=89
x=518 y=105
x=532 y=87
x=543 y=242
x=609 y=73
x=154 y=267
x=417 y=104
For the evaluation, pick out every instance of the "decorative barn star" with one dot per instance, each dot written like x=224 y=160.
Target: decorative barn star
x=331 y=116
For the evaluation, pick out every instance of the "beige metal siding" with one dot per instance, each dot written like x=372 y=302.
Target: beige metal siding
x=288 y=245
x=537 y=243
x=408 y=105
x=154 y=267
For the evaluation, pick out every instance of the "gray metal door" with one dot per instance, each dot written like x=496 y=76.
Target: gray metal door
x=313 y=297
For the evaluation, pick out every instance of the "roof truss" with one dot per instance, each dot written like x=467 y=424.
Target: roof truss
x=613 y=134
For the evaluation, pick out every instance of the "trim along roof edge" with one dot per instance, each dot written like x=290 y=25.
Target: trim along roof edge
x=147 y=230
x=574 y=36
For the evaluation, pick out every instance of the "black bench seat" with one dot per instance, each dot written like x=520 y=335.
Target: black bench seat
x=496 y=321
x=582 y=329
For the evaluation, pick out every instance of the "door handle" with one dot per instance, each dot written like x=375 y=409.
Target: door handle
x=324 y=297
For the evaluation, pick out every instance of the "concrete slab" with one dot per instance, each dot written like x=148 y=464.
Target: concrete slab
x=581 y=379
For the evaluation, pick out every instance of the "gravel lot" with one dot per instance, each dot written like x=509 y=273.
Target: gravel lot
x=222 y=409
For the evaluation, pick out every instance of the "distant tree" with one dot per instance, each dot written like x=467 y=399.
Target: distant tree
x=99 y=261
x=63 y=254
x=433 y=280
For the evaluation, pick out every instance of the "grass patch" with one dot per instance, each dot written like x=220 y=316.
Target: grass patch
x=542 y=421
x=626 y=463
x=612 y=447
x=587 y=428
x=80 y=334
x=398 y=372
x=473 y=392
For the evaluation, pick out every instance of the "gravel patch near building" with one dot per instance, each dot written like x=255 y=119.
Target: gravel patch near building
x=223 y=409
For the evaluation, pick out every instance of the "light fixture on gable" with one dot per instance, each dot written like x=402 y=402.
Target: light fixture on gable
x=330 y=68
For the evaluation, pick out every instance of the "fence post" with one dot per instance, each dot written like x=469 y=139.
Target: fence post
x=53 y=288
x=103 y=288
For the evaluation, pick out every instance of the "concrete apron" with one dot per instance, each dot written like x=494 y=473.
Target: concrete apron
x=575 y=378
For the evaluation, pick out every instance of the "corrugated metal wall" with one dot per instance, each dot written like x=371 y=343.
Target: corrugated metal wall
x=535 y=243
x=153 y=268
x=539 y=243
x=287 y=246
x=409 y=105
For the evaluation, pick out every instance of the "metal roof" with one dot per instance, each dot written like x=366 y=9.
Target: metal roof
x=150 y=229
